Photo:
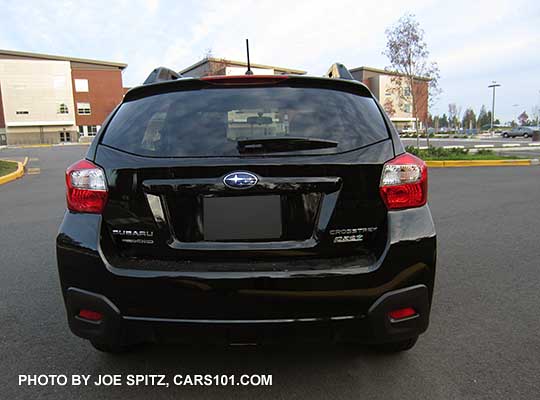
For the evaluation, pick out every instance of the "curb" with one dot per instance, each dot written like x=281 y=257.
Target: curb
x=16 y=174
x=30 y=146
x=480 y=163
x=35 y=146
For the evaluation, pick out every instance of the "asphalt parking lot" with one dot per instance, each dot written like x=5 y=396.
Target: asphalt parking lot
x=483 y=342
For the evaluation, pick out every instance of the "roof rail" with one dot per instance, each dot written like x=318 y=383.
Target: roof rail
x=339 y=71
x=162 y=74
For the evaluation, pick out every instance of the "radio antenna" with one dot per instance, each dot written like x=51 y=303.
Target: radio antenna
x=249 y=71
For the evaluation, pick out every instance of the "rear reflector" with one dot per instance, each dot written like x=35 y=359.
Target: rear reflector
x=86 y=188
x=90 y=315
x=401 y=313
x=404 y=182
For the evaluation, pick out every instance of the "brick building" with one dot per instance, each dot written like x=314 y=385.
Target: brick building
x=51 y=99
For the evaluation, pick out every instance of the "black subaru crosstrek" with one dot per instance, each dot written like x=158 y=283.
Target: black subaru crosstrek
x=247 y=209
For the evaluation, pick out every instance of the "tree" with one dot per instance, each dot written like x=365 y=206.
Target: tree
x=389 y=107
x=484 y=118
x=523 y=118
x=444 y=121
x=469 y=119
x=535 y=114
x=416 y=79
x=453 y=115
x=436 y=123
x=430 y=120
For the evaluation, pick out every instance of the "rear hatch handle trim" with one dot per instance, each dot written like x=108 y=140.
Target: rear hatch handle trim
x=264 y=185
x=330 y=187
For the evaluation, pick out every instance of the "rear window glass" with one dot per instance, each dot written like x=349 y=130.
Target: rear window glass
x=210 y=122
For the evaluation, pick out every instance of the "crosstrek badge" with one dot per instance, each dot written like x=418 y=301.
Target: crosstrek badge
x=348 y=235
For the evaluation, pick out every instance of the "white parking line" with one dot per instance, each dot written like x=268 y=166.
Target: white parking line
x=534 y=144
x=511 y=145
x=479 y=146
x=453 y=147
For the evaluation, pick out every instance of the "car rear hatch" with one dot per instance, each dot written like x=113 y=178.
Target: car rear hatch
x=270 y=175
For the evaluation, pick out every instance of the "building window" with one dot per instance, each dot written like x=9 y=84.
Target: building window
x=407 y=91
x=81 y=130
x=83 y=108
x=65 y=137
x=81 y=85
x=21 y=112
x=92 y=130
x=407 y=108
x=63 y=108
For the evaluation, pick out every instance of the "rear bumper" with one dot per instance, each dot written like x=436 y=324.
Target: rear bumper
x=335 y=303
x=373 y=327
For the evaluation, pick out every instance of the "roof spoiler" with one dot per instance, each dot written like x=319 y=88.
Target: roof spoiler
x=162 y=74
x=339 y=71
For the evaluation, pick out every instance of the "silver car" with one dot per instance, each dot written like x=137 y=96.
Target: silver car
x=524 y=131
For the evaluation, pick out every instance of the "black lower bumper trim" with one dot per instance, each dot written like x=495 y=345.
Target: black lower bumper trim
x=373 y=327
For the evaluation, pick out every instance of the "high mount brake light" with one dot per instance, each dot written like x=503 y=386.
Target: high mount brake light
x=244 y=79
x=86 y=188
x=404 y=182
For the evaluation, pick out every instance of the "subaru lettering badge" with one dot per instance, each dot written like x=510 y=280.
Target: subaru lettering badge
x=240 y=180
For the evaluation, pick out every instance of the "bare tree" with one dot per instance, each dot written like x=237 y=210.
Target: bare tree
x=454 y=113
x=389 y=107
x=416 y=78
x=535 y=113
x=523 y=118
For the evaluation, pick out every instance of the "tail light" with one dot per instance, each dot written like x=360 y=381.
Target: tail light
x=86 y=188
x=90 y=315
x=402 y=313
x=404 y=182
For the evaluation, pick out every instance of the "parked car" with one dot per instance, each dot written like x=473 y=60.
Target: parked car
x=523 y=131
x=247 y=209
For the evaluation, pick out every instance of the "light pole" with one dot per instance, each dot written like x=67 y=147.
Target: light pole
x=538 y=111
x=493 y=85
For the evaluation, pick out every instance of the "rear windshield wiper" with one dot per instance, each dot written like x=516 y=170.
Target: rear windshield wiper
x=284 y=143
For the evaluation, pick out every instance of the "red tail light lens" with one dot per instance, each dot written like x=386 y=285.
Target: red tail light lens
x=401 y=313
x=86 y=188
x=404 y=182
x=91 y=315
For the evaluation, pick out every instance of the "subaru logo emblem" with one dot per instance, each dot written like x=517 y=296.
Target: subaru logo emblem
x=240 y=180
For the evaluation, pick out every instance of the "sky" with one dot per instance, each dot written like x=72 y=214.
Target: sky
x=474 y=42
